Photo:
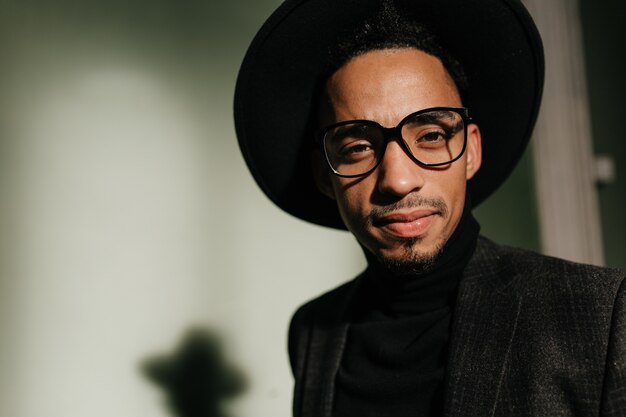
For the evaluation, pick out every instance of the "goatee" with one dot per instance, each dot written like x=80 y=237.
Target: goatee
x=411 y=263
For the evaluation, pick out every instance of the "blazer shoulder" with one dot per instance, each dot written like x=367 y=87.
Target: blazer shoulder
x=326 y=308
x=324 y=304
x=537 y=270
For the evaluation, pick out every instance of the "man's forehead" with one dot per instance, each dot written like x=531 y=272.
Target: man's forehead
x=388 y=79
x=387 y=62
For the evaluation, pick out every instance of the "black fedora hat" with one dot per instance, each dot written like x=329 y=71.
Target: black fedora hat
x=495 y=41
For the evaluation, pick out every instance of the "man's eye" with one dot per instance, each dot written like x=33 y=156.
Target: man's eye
x=432 y=137
x=356 y=148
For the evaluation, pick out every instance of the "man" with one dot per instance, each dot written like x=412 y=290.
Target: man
x=393 y=119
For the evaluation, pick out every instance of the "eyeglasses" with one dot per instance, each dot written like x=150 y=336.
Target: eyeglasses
x=433 y=137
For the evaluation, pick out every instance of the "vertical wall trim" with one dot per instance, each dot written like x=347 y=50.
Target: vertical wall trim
x=562 y=146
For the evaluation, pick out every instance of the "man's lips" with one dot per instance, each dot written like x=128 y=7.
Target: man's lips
x=406 y=224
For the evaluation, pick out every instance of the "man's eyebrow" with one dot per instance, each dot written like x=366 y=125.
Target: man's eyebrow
x=435 y=116
x=354 y=128
x=447 y=120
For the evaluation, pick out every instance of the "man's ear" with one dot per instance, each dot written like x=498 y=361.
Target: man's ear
x=321 y=174
x=474 y=150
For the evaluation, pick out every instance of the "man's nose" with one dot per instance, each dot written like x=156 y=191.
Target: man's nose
x=398 y=173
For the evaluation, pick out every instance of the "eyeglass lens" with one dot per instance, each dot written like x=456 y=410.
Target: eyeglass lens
x=433 y=138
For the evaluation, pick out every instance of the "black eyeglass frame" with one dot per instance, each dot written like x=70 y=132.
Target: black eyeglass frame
x=395 y=132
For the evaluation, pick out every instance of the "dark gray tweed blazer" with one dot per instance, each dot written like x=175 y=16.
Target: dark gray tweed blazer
x=531 y=336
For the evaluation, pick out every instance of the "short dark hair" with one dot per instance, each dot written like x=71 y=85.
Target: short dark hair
x=389 y=30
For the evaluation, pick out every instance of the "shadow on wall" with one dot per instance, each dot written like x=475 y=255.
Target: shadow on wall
x=195 y=377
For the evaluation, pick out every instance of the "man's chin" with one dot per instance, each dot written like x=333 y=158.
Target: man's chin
x=410 y=262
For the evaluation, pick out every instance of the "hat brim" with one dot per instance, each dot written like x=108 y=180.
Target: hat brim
x=495 y=41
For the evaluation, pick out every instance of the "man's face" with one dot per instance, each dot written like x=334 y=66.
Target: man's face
x=402 y=212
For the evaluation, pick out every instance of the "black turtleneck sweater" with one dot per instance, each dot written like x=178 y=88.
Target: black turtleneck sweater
x=396 y=351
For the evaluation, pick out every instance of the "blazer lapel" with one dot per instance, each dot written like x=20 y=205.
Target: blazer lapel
x=484 y=324
x=328 y=339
